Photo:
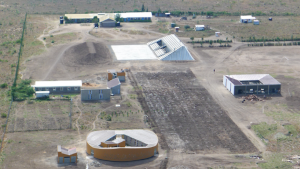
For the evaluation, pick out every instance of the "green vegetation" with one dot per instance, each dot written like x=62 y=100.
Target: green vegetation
x=95 y=19
x=4 y=85
x=264 y=130
x=186 y=26
x=3 y=115
x=22 y=90
x=275 y=161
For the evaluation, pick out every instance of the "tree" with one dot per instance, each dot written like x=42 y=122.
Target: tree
x=210 y=43
x=4 y=85
x=147 y=9
x=192 y=38
x=118 y=17
x=186 y=26
x=220 y=43
x=227 y=40
x=95 y=19
x=201 y=43
x=202 y=38
x=143 y=8
x=159 y=11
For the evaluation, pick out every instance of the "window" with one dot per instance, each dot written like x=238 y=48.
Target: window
x=54 y=88
x=47 y=89
x=69 y=88
x=61 y=89
x=75 y=88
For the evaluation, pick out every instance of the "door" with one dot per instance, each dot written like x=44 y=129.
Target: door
x=60 y=160
x=66 y=159
x=90 y=94
x=73 y=159
x=92 y=152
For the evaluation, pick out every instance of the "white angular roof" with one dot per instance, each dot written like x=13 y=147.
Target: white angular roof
x=201 y=26
x=265 y=79
x=69 y=83
x=148 y=137
x=175 y=49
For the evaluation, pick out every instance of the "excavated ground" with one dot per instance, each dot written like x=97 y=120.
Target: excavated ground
x=188 y=117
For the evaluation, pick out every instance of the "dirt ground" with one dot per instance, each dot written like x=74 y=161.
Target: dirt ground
x=67 y=61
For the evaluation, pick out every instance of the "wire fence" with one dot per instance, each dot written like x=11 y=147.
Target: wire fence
x=15 y=81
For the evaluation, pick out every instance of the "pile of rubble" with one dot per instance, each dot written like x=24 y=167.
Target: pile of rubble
x=251 y=97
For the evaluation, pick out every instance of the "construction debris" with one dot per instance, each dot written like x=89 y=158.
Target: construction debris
x=252 y=97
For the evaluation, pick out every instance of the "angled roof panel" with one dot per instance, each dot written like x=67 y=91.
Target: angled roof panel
x=175 y=49
x=265 y=79
x=113 y=83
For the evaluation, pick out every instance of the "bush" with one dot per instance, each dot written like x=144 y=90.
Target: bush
x=52 y=41
x=22 y=90
x=4 y=85
x=3 y=115
x=108 y=118
x=186 y=26
x=51 y=36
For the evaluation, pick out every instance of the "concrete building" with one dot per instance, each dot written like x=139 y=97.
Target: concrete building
x=135 y=16
x=122 y=145
x=42 y=94
x=58 y=87
x=251 y=84
x=170 y=48
x=199 y=27
x=247 y=18
x=115 y=86
x=66 y=155
x=95 y=94
x=112 y=74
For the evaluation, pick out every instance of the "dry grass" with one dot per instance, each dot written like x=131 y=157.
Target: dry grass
x=62 y=38
x=282 y=27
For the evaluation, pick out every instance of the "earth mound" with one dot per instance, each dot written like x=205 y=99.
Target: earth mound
x=87 y=53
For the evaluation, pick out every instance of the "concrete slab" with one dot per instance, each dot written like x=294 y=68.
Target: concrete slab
x=133 y=52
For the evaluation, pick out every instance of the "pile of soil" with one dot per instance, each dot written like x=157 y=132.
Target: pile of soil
x=87 y=53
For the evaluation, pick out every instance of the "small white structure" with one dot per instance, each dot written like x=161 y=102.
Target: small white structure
x=247 y=19
x=199 y=27
x=41 y=94
x=217 y=34
x=177 y=29
x=256 y=22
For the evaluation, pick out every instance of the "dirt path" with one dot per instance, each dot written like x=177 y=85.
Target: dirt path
x=78 y=129
x=241 y=115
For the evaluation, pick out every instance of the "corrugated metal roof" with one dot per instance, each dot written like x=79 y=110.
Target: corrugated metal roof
x=66 y=151
x=136 y=15
x=235 y=82
x=70 y=83
x=81 y=16
x=113 y=83
x=247 y=17
x=46 y=92
x=106 y=16
x=148 y=137
x=263 y=78
x=176 y=49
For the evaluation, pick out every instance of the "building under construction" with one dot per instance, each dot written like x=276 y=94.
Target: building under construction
x=122 y=145
x=251 y=84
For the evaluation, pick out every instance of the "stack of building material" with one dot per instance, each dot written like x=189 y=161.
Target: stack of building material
x=252 y=97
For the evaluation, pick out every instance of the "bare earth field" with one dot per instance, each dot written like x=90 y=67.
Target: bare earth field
x=188 y=117
x=199 y=123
